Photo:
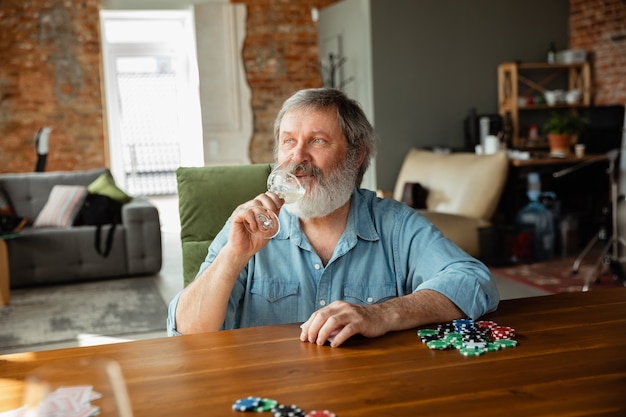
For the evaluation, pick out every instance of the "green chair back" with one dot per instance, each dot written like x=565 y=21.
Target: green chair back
x=207 y=196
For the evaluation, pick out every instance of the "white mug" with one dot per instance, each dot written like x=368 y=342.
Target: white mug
x=492 y=144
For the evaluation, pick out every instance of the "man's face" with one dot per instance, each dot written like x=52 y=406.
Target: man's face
x=311 y=137
x=312 y=145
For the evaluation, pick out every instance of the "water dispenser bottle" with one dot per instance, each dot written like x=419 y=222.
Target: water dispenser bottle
x=537 y=216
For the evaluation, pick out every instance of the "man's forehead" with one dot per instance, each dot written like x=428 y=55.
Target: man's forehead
x=310 y=118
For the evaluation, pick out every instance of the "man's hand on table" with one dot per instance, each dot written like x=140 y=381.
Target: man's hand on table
x=339 y=321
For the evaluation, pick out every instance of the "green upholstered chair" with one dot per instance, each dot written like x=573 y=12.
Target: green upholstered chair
x=207 y=196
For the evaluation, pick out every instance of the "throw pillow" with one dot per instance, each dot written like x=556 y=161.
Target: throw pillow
x=105 y=185
x=62 y=206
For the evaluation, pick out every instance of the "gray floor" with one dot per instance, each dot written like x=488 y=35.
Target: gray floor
x=169 y=281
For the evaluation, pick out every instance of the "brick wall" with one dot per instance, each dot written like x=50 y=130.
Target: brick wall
x=50 y=76
x=50 y=71
x=599 y=26
x=280 y=56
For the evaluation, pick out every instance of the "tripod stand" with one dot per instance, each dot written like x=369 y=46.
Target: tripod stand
x=614 y=241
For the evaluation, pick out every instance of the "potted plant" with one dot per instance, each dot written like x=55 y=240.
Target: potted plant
x=562 y=130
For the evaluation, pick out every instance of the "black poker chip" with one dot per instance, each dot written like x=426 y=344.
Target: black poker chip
x=288 y=411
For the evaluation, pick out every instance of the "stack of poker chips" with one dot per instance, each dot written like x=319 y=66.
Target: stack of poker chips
x=469 y=337
x=259 y=405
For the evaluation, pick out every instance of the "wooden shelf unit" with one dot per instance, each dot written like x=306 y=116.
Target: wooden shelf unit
x=515 y=81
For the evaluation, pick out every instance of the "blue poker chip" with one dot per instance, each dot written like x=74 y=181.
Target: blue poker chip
x=247 y=404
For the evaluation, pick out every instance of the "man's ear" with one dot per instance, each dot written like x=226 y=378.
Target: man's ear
x=361 y=158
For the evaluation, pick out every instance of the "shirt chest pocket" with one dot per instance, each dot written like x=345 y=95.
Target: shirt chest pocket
x=274 y=290
x=363 y=294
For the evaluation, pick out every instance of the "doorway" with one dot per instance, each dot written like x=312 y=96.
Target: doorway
x=151 y=89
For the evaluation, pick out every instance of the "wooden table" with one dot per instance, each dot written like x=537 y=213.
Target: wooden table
x=5 y=290
x=571 y=361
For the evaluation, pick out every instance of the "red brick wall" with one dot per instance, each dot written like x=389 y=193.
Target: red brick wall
x=280 y=56
x=50 y=76
x=50 y=71
x=599 y=26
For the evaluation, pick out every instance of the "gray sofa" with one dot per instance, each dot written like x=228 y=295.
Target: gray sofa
x=55 y=255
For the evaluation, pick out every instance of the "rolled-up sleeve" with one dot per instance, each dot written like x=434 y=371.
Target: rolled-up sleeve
x=171 y=316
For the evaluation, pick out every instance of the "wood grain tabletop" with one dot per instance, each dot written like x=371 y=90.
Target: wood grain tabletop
x=570 y=361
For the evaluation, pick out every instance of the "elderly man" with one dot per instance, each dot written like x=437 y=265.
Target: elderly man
x=344 y=262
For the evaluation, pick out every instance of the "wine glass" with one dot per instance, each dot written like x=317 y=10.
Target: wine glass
x=85 y=386
x=285 y=185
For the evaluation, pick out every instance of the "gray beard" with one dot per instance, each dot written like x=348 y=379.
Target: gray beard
x=328 y=194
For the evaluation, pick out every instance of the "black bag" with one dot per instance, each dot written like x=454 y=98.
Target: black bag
x=99 y=210
x=11 y=224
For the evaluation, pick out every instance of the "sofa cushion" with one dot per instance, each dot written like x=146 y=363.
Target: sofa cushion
x=62 y=206
x=29 y=191
x=462 y=230
x=458 y=183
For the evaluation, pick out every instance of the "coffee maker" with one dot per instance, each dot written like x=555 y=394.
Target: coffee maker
x=479 y=126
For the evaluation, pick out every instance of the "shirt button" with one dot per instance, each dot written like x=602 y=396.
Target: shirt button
x=322 y=302
x=317 y=266
x=370 y=299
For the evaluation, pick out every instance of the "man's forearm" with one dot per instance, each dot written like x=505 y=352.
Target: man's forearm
x=202 y=305
x=419 y=308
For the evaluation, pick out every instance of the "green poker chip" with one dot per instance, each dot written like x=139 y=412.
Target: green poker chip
x=266 y=404
x=427 y=332
x=471 y=351
x=438 y=344
x=492 y=347
x=507 y=343
x=453 y=337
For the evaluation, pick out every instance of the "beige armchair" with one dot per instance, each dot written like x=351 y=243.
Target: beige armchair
x=463 y=191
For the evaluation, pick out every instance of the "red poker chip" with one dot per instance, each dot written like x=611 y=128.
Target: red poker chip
x=503 y=329
x=321 y=413
x=486 y=324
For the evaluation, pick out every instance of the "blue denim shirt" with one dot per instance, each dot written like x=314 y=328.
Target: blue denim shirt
x=387 y=250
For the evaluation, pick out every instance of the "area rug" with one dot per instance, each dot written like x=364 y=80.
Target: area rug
x=555 y=275
x=51 y=314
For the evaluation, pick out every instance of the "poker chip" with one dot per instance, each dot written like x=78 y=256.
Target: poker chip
x=469 y=337
x=426 y=339
x=507 y=343
x=247 y=404
x=486 y=324
x=471 y=352
x=503 y=332
x=462 y=323
x=475 y=345
x=427 y=332
x=453 y=337
x=288 y=411
x=266 y=404
x=321 y=413
x=438 y=344
x=446 y=328
x=492 y=347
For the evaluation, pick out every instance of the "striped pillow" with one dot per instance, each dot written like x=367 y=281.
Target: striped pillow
x=62 y=206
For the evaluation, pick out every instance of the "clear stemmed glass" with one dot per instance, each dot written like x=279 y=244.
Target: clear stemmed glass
x=285 y=185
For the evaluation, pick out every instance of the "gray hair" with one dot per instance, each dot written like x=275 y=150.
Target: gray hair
x=350 y=116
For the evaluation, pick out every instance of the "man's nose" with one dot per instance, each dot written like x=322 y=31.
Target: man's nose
x=299 y=154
